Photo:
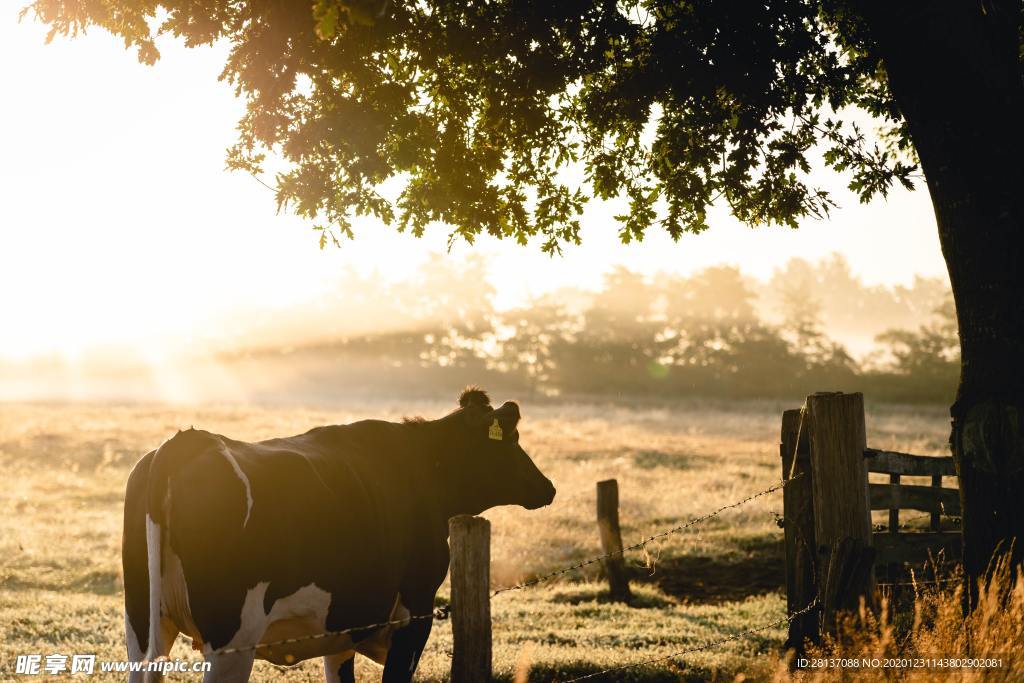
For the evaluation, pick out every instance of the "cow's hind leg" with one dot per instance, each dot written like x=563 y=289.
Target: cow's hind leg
x=134 y=559
x=168 y=632
x=407 y=645
x=234 y=667
x=135 y=651
x=340 y=668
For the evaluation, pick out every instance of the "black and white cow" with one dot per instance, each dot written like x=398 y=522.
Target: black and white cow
x=239 y=544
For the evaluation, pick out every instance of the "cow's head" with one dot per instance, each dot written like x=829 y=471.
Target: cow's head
x=493 y=469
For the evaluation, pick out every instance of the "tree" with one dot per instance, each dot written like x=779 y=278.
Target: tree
x=491 y=111
x=529 y=345
x=853 y=309
x=930 y=352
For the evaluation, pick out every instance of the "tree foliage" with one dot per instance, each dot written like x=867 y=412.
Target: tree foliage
x=504 y=116
x=930 y=352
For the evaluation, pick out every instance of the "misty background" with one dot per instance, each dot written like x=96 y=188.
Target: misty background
x=811 y=326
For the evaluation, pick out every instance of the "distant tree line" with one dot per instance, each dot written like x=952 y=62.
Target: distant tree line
x=715 y=333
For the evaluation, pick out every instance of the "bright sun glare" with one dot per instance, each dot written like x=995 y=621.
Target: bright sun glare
x=123 y=233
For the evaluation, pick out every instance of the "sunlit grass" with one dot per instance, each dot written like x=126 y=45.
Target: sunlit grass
x=64 y=468
x=931 y=626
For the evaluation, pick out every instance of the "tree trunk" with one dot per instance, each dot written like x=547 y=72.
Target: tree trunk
x=954 y=70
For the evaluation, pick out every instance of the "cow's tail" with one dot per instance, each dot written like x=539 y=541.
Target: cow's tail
x=154 y=539
x=171 y=456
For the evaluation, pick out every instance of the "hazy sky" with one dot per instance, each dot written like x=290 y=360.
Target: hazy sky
x=119 y=224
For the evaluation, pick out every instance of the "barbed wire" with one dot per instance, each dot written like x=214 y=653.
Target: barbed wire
x=706 y=646
x=442 y=613
x=921 y=583
x=438 y=614
x=645 y=541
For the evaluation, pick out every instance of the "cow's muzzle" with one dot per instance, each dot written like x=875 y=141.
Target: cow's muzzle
x=544 y=497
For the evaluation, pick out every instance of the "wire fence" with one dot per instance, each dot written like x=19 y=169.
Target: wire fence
x=439 y=614
x=442 y=613
x=919 y=583
x=643 y=542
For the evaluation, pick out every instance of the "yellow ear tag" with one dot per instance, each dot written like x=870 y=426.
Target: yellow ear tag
x=495 y=431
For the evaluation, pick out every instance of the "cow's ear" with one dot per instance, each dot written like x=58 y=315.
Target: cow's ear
x=508 y=413
x=502 y=423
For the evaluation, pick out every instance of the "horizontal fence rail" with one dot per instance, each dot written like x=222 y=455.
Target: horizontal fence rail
x=893 y=462
x=910 y=497
x=832 y=548
x=916 y=548
x=900 y=547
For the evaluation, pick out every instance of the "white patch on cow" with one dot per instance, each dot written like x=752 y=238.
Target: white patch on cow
x=309 y=602
x=333 y=664
x=245 y=481
x=304 y=612
x=303 y=616
x=153 y=563
x=253 y=620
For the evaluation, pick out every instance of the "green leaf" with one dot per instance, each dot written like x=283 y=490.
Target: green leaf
x=326 y=13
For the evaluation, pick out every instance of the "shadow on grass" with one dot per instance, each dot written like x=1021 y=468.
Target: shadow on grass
x=602 y=597
x=96 y=582
x=541 y=673
x=713 y=580
x=647 y=459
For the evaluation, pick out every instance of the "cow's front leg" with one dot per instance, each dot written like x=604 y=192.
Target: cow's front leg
x=340 y=668
x=407 y=645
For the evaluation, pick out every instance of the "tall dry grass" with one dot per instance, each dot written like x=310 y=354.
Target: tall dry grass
x=933 y=627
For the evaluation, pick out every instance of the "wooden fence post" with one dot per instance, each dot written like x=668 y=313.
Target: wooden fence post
x=798 y=522
x=842 y=511
x=470 y=540
x=611 y=540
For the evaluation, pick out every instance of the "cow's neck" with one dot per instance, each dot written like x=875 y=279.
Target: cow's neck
x=448 y=491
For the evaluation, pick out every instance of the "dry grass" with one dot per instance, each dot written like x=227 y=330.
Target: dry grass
x=909 y=640
x=64 y=468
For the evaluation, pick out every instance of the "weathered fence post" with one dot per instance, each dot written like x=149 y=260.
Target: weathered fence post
x=798 y=522
x=611 y=540
x=470 y=540
x=837 y=438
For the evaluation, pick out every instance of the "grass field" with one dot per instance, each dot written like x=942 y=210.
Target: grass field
x=64 y=466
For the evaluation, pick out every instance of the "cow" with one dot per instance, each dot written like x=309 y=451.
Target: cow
x=242 y=545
